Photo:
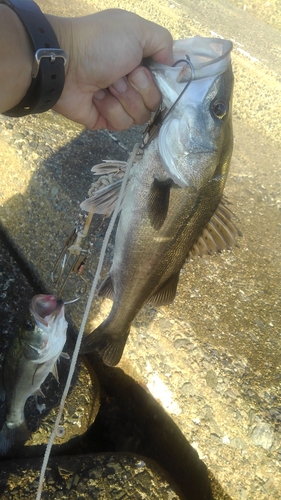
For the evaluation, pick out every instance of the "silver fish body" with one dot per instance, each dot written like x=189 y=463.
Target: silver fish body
x=31 y=356
x=173 y=193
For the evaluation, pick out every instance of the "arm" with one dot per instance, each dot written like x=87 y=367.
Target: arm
x=16 y=59
x=104 y=87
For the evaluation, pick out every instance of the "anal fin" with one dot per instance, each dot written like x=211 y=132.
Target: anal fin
x=106 y=288
x=166 y=294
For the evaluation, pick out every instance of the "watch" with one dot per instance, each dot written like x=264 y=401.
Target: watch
x=49 y=60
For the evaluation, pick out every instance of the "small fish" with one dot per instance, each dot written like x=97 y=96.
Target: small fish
x=172 y=207
x=31 y=356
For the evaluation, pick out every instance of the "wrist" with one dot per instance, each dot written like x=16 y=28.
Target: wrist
x=62 y=29
x=48 y=72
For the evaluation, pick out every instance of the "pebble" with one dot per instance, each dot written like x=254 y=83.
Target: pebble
x=262 y=435
x=211 y=379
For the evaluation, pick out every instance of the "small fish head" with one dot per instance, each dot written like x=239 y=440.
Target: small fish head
x=44 y=328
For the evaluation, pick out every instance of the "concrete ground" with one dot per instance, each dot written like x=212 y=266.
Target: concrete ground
x=212 y=359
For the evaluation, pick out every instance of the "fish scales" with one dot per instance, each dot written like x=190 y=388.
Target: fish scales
x=31 y=356
x=172 y=194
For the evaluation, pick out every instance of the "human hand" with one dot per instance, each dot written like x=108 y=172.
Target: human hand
x=105 y=86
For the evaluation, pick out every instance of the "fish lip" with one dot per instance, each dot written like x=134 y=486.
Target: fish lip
x=46 y=307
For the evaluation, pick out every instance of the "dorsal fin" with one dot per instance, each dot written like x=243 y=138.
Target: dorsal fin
x=103 y=200
x=106 y=288
x=219 y=234
x=158 y=202
x=167 y=292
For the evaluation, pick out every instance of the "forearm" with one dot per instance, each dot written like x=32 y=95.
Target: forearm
x=16 y=59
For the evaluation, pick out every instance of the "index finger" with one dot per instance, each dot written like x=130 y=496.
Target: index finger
x=157 y=43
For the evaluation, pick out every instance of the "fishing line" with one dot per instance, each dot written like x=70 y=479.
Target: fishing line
x=158 y=119
x=83 y=322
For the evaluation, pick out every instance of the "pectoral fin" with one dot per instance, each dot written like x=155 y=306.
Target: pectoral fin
x=158 y=202
x=55 y=372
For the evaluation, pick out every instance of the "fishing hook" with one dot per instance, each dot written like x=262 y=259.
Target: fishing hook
x=158 y=119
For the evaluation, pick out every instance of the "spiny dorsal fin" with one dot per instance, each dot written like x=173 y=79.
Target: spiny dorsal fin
x=109 y=167
x=166 y=294
x=158 y=202
x=106 y=288
x=103 y=200
x=219 y=234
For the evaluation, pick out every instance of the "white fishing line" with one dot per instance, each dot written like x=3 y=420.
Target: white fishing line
x=83 y=322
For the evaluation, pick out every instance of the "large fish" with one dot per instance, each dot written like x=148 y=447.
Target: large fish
x=31 y=356
x=172 y=205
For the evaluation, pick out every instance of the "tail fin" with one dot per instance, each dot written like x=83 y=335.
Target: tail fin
x=11 y=435
x=109 y=346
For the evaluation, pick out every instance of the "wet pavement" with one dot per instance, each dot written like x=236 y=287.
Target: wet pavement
x=212 y=358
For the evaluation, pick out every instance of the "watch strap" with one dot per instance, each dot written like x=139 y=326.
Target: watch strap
x=48 y=71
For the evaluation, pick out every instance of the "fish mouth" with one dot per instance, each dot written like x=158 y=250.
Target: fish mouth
x=45 y=308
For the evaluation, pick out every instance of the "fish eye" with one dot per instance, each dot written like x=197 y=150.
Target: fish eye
x=28 y=325
x=219 y=109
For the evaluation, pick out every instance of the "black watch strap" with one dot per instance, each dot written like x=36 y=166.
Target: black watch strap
x=48 y=70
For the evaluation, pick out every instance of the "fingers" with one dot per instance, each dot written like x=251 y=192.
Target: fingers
x=111 y=112
x=128 y=101
x=157 y=42
x=141 y=79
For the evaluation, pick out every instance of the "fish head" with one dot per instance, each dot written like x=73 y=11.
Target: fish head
x=44 y=328
x=195 y=139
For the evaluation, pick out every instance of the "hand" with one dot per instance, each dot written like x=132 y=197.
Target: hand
x=105 y=85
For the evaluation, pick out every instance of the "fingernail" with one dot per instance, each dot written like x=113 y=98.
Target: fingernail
x=99 y=95
x=121 y=85
x=139 y=80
